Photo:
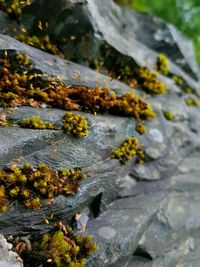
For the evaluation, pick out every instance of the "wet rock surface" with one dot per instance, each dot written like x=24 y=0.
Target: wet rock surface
x=141 y=215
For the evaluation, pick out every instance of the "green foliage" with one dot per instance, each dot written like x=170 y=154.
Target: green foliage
x=185 y=14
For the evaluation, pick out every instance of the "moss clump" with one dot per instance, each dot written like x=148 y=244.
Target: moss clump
x=127 y=150
x=20 y=86
x=178 y=80
x=29 y=185
x=75 y=124
x=36 y=123
x=190 y=101
x=163 y=64
x=14 y=8
x=140 y=128
x=3 y=199
x=140 y=156
x=149 y=81
x=42 y=42
x=169 y=115
x=61 y=247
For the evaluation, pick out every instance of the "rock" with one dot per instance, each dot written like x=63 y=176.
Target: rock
x=141 y=215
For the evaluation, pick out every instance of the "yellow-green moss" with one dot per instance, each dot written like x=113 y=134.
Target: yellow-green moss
x=168 y=115
x=140 y=128
x=178 y=80
x=43 y=42
x=29 y=185
x=36 y=123
x=140 y=156
x=190 y=101
x=163 y=64
x=14 y=7
x=61 y=247
x=75 y=124
x=127 y=150
x=150 y=82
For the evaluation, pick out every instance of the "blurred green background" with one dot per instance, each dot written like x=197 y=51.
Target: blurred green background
x=184 y=14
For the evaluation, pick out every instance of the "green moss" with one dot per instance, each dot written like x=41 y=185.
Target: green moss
x=126 y=151
x=29 y=185
x=190 y=101
x=168 y=115
x=163 y=64
x=36 y=123
x=61 y=247
x=150 y=83
x=75 y=124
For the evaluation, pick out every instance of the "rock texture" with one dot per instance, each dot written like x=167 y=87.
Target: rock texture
x=142 y=215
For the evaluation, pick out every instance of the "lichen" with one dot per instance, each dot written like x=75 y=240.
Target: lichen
x=75 y=124
x=14 y=8
x=29 y=185
x=150 y=82
x=60 y=247
x=162 y=64
x=36 y=123
x=190 y=101
x=127 y=150
x=20 y=86
x=168 y=115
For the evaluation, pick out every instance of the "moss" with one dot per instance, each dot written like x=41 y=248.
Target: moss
x=30 y=185
x=168 y=115
x=127 y=150
x=20 y=86
x=75 y=124
x=162 y=64
x=190 y=101
x=61 y=247
x=14 y=8
x=140 y=128
x=140 y=156
x=43 y=42
x=178 y=80
x=36 y=123
x=149 y=81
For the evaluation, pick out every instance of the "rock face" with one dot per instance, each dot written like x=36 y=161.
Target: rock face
x=142 y=215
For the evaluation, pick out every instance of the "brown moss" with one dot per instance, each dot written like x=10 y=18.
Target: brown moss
x=19 y=86
x=29 y=185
